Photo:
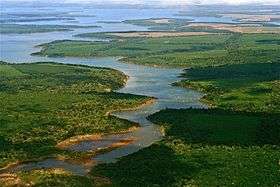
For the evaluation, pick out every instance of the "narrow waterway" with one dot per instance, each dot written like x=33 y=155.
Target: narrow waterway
x=149 y=81
x=143 y=80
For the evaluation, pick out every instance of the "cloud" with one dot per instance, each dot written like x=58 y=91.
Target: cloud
x=182 y=2
x=164 y=2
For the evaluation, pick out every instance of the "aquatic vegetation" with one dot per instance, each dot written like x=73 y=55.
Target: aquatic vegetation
x=45 y=103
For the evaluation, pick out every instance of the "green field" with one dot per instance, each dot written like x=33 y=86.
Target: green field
x=45 y=103
x=191 y=51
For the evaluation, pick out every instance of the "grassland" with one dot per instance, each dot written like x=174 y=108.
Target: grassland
x=27 y=29
x=45 y=103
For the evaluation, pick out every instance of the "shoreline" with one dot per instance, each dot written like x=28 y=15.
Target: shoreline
x=90 y=137
x=80 y=138
x=148 y=102
x=85 y=161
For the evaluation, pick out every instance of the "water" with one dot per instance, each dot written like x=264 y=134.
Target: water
x=149 y=81
x=76 y=169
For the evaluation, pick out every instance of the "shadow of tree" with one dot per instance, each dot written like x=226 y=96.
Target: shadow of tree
x=220 y=127
x=157 y=165
x=209 y=147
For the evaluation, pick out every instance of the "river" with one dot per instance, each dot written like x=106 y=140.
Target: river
x=143 y=80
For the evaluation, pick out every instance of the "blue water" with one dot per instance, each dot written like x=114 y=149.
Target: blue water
x=149 y=81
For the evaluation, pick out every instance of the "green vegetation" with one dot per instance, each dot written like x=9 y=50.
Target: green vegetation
x=45 y=103
x=189 y=51
x=167 y=51
x=204 y=148
x=183 y=25
x=53 y=178
x=26 y=29
x=243 y=87
x=235 y=144
x=156 y=24
x=245 y=80
x=180 y=25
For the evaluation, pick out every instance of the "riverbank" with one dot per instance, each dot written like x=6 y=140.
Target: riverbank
x=174 y=159
x=233 y=143
x=184 y=52
x=245 y=90
x=225 y=145
x=46 y=103
x=203 y=148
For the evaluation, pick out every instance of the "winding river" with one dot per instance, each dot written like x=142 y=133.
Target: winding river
x=143 y=80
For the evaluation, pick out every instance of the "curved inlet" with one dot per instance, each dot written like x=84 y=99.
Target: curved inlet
x=149 y=81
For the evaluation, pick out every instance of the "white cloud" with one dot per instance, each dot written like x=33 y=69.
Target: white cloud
x=179 y=2
x=165 y=2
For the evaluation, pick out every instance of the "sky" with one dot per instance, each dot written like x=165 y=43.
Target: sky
x=164 y=2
